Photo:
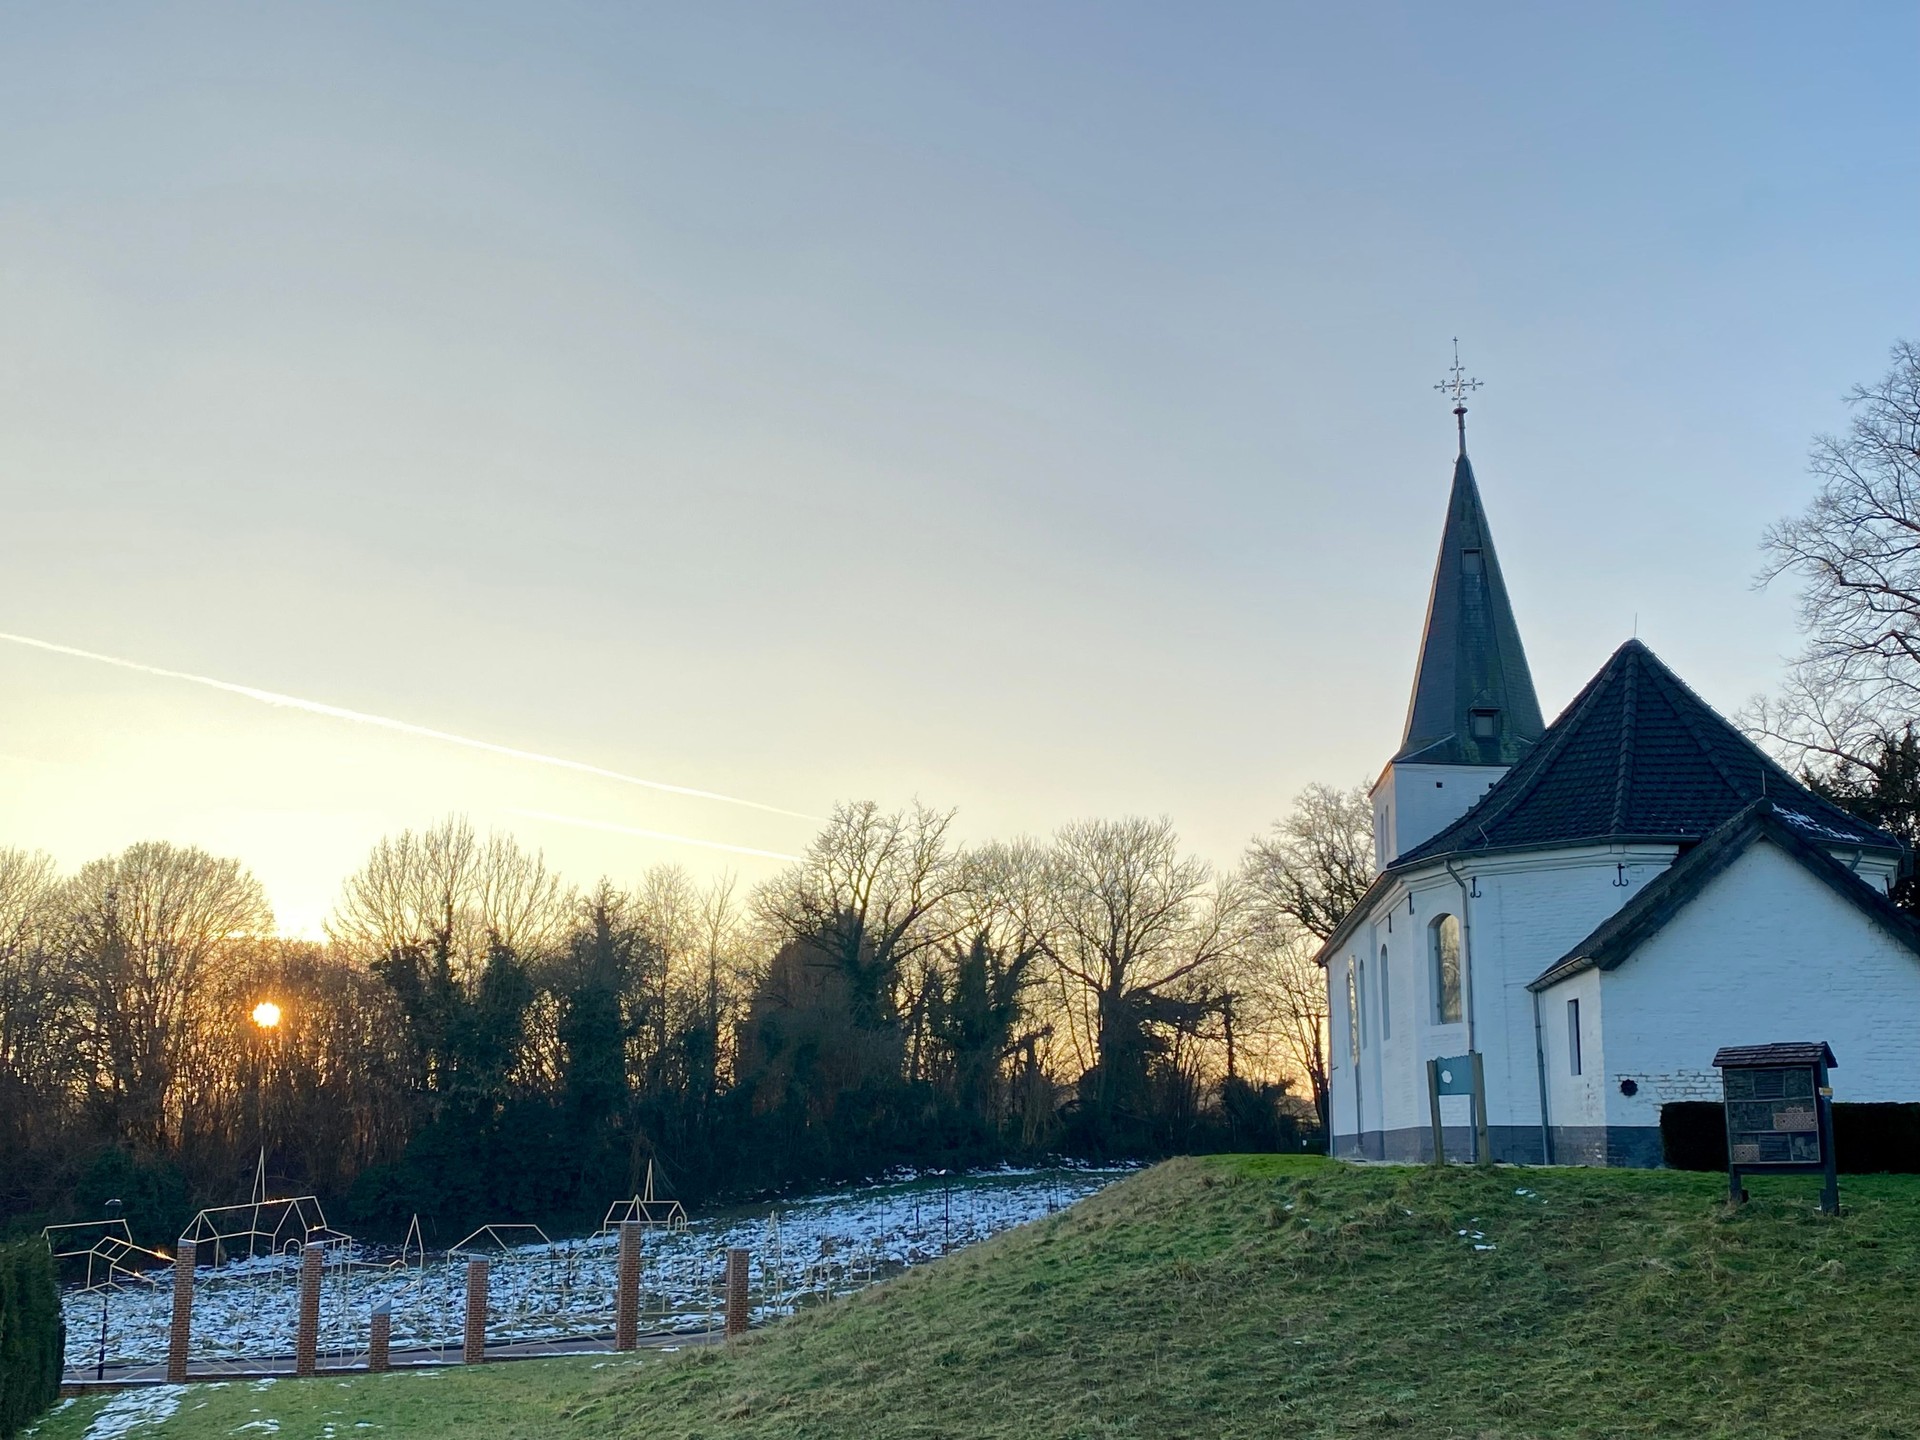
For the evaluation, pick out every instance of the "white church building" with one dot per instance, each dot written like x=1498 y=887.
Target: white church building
x=1597 y=905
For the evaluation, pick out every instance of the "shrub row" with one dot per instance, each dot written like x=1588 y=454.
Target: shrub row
x=33 y=1337
x=1867 y=1139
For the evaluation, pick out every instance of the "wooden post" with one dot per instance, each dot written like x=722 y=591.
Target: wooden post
x=1823 y=1108
x=736 y=1293
x=306 y=1340
x=182 y=1326
x=379 y=1344
x=1482 y=1152
x=1433 y=1104
x=475 y=1349
x=626 y=1289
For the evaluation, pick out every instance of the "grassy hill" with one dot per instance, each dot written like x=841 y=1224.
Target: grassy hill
x=1261 y=1296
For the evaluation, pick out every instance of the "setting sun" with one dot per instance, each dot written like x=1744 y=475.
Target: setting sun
x=266 y=1015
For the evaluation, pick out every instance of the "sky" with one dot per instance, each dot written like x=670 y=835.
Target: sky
x=1026 y=408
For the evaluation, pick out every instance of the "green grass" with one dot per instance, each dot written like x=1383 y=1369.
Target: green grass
x=1261 y=1296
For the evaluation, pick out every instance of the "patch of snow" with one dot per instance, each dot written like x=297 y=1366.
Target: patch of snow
x=132 y=1410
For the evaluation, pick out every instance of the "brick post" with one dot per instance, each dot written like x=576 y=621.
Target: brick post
x=736 y=1293
x=182 y=1327
x=626 y=1289
x=475 y=1349
x=306 y=1338
x=382 y=1338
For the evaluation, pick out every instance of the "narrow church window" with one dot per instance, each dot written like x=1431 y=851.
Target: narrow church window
x=1353 y=1015
x=1486 y=724
x=1386 y=1001
x=1472 y=562
x=1573 y=1036
x=1360 y=999
x=1444 y=941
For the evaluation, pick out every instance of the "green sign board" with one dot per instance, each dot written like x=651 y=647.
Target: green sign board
x=1453 y=1075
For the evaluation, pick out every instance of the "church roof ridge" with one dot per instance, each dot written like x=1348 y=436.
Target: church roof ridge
x=1637 y=755
x=1473 y=701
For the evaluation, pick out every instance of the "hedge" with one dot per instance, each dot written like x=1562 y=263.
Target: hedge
x=1866 y=1138
x=33 y=1336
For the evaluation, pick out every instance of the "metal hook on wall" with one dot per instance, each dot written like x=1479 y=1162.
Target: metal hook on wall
x=1474 y=893
x=1620 y=881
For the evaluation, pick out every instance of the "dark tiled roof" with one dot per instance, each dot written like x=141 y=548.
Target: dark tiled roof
x=1783 y=1052
x=1634 y=923
x=1470 y=653
x=1637 y=756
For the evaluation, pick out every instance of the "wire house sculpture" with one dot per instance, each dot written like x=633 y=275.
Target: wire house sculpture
x=647 y=1210
x=261 y=1227
x=101 y=1255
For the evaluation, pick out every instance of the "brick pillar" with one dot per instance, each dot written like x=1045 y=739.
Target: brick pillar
x=306 y=1337
x=475 y=1349
x=736 y=1293
x=382 y=1338
x=626 y=1289
x=182 y=1326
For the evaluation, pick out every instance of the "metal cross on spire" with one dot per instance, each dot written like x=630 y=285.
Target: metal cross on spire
x=1457 y=385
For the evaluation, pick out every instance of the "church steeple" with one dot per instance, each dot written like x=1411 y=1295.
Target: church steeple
x=1473 y=700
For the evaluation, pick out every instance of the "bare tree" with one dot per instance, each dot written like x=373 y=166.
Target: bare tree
x=1857 y=550
x=1303 y=877
x=874 y=891
x=147 y=929
x=447 y=887
x=34 y=1063
x=1313 y=865
x=1285 y=1004
x=1136 y=933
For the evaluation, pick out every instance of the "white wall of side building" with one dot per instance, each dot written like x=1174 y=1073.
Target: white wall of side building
x=1765 y=952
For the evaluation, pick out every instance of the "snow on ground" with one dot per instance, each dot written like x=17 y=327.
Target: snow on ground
x=133 y=1408
x=815 y=1247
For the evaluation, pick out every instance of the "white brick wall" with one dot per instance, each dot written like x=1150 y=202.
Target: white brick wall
x=1766 y=952
x=1419 y=801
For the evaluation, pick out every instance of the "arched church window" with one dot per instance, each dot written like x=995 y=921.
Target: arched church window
x=1386 y=997
x=1443 y=940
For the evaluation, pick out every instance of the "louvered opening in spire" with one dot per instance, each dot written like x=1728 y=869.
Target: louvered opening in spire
x=1473 y=700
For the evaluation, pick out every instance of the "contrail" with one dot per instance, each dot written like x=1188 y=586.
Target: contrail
x=646 y=834
x=315 y=707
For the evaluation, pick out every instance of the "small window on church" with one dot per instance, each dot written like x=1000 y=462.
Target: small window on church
x=1573 y=1037
x=1472 y=562
x=1443 y=939
x=1486 y=724
x=1360 y=999
x=1386 y=993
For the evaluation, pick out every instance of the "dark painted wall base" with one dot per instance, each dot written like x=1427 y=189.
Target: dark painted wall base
x=1633 y=1146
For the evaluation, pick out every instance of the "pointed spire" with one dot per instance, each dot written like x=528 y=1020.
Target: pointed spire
x=1473 y=700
